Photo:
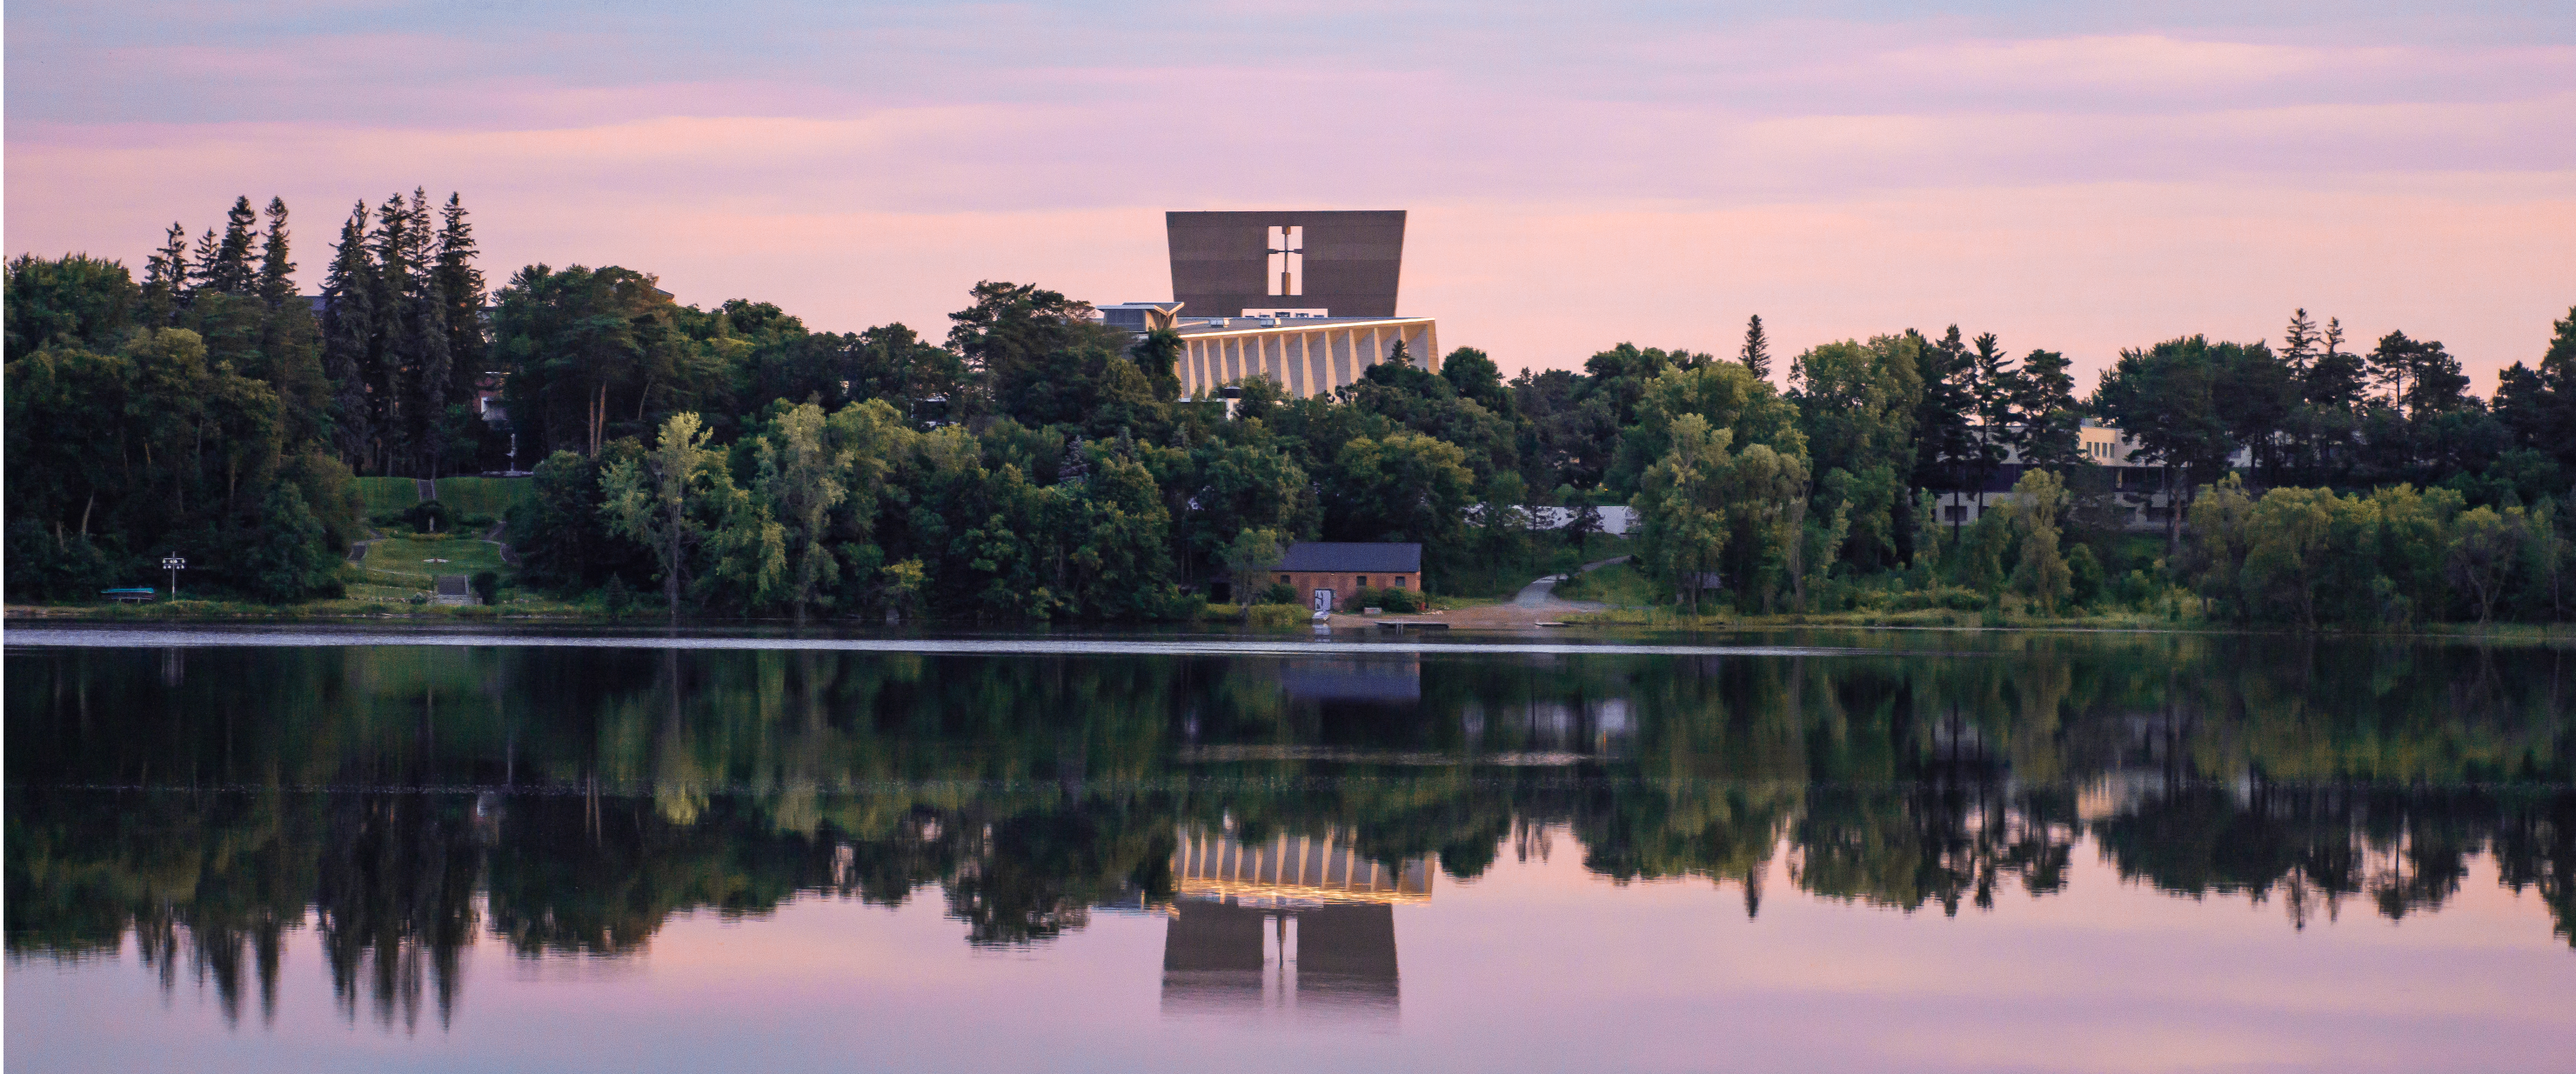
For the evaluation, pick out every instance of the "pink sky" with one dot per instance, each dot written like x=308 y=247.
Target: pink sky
x=2065 y=178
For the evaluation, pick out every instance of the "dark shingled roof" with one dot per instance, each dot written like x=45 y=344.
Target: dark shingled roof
x=1338 y=556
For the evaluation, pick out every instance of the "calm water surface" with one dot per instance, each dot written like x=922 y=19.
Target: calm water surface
x=1822 y=851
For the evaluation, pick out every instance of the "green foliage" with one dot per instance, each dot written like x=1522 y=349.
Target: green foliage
x=671 y=497
x=1398 y=601
x=1857 y=404
x=800 y=476
x=596 y=354
x=1251 y=555
x=288 y=560
x=75 y=302
x=1703 y=510
x=1725 y=396
x=1474 y=376
x=1038 y=467
x=2085 y=579
x=2042 y=574
x=1401 y=487
x=428 y=516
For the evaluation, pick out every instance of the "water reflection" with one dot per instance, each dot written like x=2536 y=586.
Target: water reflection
x=398 y=805
x=1300 y=926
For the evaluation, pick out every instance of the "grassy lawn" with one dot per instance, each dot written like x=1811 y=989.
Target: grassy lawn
x=407 y=560
x=388 y=493
x=492 y=496
x=1621 y=585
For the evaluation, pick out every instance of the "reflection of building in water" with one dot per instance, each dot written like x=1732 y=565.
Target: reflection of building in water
x=1390 y=682
x=1298 y=925
x=1594 y=727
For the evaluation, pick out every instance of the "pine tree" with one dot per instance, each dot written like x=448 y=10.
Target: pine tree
x=1756 y=354
x=202 y=267
x=461 y=286
x=2044 y=396
x=165 y=279
x=348 y=335
x=425 y=341
x=228 y=268
x=1948 y=452
x=1991 y=386
x=289 y=339
x=276 y=273
x=392 y=358
x=2299 y=341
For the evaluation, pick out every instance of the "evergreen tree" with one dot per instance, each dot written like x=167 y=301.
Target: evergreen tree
x=348 y=335
x=276 y=273
x=2338 y=379
x=2299 y=342
x=461 y=292
x=1947 y=450
x=228 y=268
x=2044 y=396
x=1756 y=354
x=425 y=342
x=165 y=280
x=2335 y=385
x=2162 y=399
x=2539 y=405
x=1991 y=387
x=2421 y=377
x=205 y=265
x=407 y=403
x=290 y=339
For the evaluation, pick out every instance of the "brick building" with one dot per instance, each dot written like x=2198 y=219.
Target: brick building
x=1326 y=573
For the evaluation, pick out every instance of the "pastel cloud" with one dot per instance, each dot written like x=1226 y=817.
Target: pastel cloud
x=2073 y=179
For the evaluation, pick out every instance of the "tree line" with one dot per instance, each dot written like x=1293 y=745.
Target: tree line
x=1032 y=463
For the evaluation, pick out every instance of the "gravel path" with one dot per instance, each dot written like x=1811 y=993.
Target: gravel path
x=1536 y=603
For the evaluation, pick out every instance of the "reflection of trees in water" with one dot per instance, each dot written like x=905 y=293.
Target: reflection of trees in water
x=394 y=899
x=2316 y=846
x=1032 y=790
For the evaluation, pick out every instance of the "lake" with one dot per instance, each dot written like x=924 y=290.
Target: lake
x=1822 y=850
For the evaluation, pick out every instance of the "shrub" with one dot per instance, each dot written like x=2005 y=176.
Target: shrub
x=1952 y=598
x=487 y=586
x=2086 y=583
x=1393 y=600
x=427 y=516
x=1274 y=615
x=1278 y=593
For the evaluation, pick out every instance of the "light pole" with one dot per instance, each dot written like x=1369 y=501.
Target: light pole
x=173 y=564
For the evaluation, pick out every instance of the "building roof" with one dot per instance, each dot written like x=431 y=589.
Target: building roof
x=1385 y=557
x=1209 y=326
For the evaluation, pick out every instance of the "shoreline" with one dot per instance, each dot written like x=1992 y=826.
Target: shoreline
x=1582 y=623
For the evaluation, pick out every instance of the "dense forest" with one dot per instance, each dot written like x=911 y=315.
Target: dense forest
x=1032 y=464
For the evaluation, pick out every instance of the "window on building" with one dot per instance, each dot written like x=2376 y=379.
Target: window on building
x=1283 y=579
x=1957 y=512
x=1288 y=260
x=1399 y=581
x=1364 y=581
